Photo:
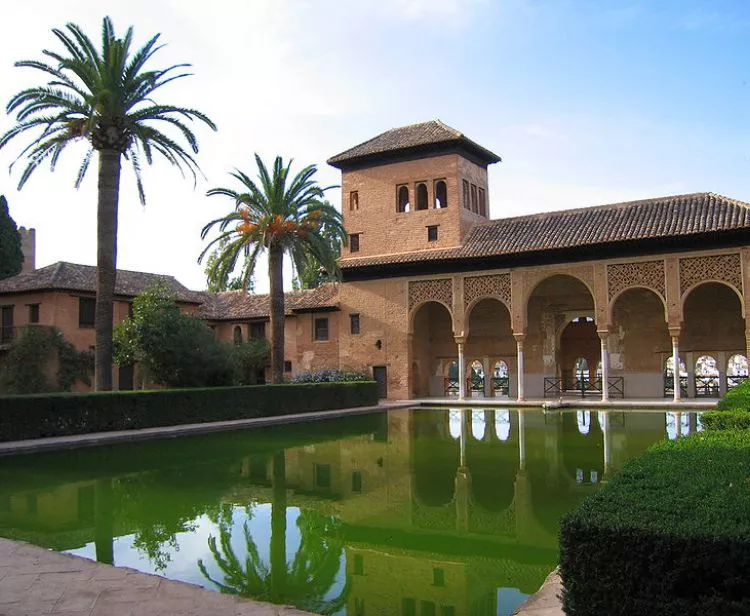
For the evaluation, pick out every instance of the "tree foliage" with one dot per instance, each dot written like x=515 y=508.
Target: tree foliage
x=11 y=255
x=104 y=98
x=310 y=272
x=228 y=283
x=279 y=214
x=41 y=361
x=180 y=350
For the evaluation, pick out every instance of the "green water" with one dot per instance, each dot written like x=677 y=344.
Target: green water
x=415 y=513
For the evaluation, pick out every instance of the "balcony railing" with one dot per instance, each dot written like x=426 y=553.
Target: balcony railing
x=561 y=386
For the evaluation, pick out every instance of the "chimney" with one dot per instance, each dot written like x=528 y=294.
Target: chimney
x=28 y=247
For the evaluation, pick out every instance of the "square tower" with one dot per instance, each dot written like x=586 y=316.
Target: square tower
x=418 y=187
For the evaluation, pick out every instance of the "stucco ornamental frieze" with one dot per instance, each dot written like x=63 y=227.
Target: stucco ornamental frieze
x=650 y=274
x=436 y=289
x=724 y=268
x=495 y=285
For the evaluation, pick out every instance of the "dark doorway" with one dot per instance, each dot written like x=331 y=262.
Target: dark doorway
x=380 y=374
x=125 y=379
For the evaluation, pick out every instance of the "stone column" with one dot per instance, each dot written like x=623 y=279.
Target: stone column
x=690 y=368
x=676 y=363
x=721 y=359
x=604 y=337
x=461 y=371
x=519 y=349
x=487 y=377
x=521 y=440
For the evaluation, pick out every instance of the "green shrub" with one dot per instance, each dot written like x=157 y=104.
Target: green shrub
x=330 y=375
x=725 y=420
x=736 y=399
x=668 y=535
x=37 y=416
x=41 y=360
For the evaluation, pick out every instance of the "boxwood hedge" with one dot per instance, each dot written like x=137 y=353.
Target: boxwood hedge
x=668 y=535
x=45 y=415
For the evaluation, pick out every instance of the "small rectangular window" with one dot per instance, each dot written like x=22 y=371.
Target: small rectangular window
x=474 y=206
x=353 y=200
x=438 y=576
x=257 y=330
x=359 y=564
x=408 y=607
x=287 y=366
x=354 y=324
x=354 y=242
x=432 y=233
x=427 y=608
x=356 y=481
x=33 y=313
x=321 y=329
x=322 y=475
x=467 y=203
x=482 y=202
x=86 y=312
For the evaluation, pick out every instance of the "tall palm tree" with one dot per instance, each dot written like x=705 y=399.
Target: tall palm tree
x=103 y=97
x=281 y=215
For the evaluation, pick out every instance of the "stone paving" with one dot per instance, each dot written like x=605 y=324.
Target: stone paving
x=35 y=581
x=546 y=601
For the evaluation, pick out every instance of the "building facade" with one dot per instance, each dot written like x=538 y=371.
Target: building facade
x=437 y=299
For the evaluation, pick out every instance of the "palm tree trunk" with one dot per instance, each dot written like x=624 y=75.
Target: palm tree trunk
x=106 y=264
x=276 y=276
x=278 y=526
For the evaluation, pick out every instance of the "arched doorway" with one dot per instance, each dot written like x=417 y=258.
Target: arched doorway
x=475 y=381
x=489 y=336
x=432 y=346
x=556 y=304
x=639 y=342
x=736 y=370
x=501 y=379
x=713 y=327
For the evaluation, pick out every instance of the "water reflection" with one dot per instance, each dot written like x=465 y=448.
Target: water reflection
x=448 y=511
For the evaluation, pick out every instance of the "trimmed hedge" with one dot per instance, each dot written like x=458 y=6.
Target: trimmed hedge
x=38 y=416
x=725 y=420
x=668 y=535
x=736 y=399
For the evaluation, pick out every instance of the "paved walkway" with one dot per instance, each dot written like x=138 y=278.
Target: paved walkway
x=36 y=581
x=546 y=601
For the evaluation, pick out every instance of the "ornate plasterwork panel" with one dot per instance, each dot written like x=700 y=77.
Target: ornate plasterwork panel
x=436 y=290
x=649 y=274
x=726 y=268
x=495 y=285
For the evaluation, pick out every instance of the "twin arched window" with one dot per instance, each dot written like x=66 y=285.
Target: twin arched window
x=403 y=204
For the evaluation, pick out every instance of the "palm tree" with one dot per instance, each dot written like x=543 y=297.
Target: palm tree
x=278 y=215
x=105 y=98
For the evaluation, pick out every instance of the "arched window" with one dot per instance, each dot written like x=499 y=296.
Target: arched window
x=581 y=372
x=441 y=194
x=476 y=378
x=502 y=425
x=736 y=370
x=454 y=423
x=402 y=199
x=237 y=334
x=706 y=376
x=421 y=196
x=477 y=425
x=500 y=380
x=583 y=419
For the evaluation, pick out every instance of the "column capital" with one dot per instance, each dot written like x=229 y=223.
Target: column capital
x=674 y=332
x=519 y=337
x=603 y=333
x=460 y=339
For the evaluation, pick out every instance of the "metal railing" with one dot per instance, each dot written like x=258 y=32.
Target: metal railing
x=706 y=386
x=669 y=386
x=561 y=386
x=501 y=385
x=735 y=379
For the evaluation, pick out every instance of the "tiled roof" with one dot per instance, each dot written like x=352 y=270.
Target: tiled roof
x=238 y=305
x=420 y=135
x=65 y=276
x=665 y=217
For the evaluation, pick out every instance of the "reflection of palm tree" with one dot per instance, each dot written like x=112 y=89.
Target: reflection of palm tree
x=305 y=581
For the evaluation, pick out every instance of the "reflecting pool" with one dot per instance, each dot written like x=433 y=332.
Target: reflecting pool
x=413 y=513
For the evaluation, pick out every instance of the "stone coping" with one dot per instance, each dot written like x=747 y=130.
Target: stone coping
x=38 y=581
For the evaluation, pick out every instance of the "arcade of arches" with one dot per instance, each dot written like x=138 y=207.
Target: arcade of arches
x=607 y=328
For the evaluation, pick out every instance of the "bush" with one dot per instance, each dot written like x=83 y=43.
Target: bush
x=669 y=535
x=37 y=416
x=41 y=360
x=725 y=420
x=736 y=399
x=331 y=376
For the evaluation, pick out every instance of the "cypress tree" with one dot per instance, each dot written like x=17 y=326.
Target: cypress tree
x=11 y=255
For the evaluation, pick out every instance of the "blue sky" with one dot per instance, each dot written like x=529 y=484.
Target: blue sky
x=587 y=101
